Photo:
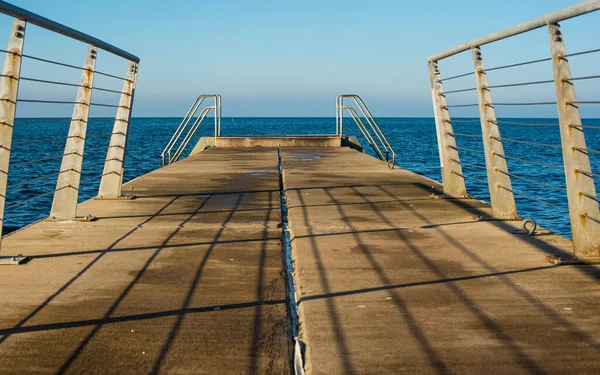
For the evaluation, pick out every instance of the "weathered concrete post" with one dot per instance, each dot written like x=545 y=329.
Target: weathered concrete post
x=9 y=86
x=581 y=191
x=503 y=201
x=454 y=183
x=112 y=177
x=64 y=205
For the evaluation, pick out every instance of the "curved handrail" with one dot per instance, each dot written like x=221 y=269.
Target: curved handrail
x=370 y=120
x=190 y=134
x=361 y=126
x=186 y=121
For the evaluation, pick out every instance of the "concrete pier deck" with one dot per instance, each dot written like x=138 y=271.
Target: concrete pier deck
x=188 y=277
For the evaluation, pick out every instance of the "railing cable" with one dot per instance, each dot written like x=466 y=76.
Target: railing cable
x=522 y=104
x=585 y=126
x=589 y=174
x=583 y=52
x=29 y=200
x=519 y=64
x=455 y=77
x=41 y=141
x=585 y=102
x=580 y=78
x=461 y=105
x=470 y=178
x=528 y=161
x=465 y=149
x=462 y=121
x=41 y=121
x=50 y=82
x=468 y=164
x=461 y=90
x=586 y=150
x=531 y=181
x=38 y=179
x=41 y=159
x=525 y=142
x=533 y=198
x=520 y=84
x=519 y=123
x=465 y=135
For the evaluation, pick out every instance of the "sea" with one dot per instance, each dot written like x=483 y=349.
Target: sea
x=533 y=145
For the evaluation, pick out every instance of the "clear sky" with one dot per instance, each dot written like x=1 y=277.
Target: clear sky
x=291 y=58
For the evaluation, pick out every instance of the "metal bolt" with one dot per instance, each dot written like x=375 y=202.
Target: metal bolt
x=583 y=215
x=556 y=31
x=557 y=39
x=19 y=34
x=20 y=28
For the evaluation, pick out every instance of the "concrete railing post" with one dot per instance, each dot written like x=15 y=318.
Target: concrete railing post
x=64 y=205
x=9 y=86
x=112 y=177
x=454 y=183
x=502 y=200
x=581 y=191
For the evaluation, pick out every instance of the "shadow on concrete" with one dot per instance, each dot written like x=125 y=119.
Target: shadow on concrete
x=520 y=356
x=101 y=254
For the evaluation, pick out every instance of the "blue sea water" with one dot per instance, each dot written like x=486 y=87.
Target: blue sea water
x=414 y=140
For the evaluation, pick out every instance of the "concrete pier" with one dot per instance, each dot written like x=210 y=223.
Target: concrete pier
x=390 y=277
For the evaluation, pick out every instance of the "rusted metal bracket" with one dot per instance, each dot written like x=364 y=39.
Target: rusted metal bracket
x=14 y=261
x=81 y=219
x=122 y=197
x=571 y=262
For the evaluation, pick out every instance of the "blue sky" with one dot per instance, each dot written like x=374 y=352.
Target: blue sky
x=291 y=58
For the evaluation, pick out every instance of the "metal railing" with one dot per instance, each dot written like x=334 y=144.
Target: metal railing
x=167 y=155
x=579 y=188
x=73 y=174
x=375 y=137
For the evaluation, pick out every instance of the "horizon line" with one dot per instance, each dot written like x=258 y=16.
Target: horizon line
x=323 y=117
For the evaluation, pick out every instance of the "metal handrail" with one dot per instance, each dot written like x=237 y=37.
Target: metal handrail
x=186 y=119
x=365 y=132
x=536 y=23
x=189 y=135
x=584 y=214
x=44 y=22
x=362 y=107
x=195 y=125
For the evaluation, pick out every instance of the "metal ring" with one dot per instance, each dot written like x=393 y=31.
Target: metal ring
x=530 y=231
x=390 y=165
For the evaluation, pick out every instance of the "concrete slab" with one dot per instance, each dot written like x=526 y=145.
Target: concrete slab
x=392 y=280
x=184 y=279
x=187 y=278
